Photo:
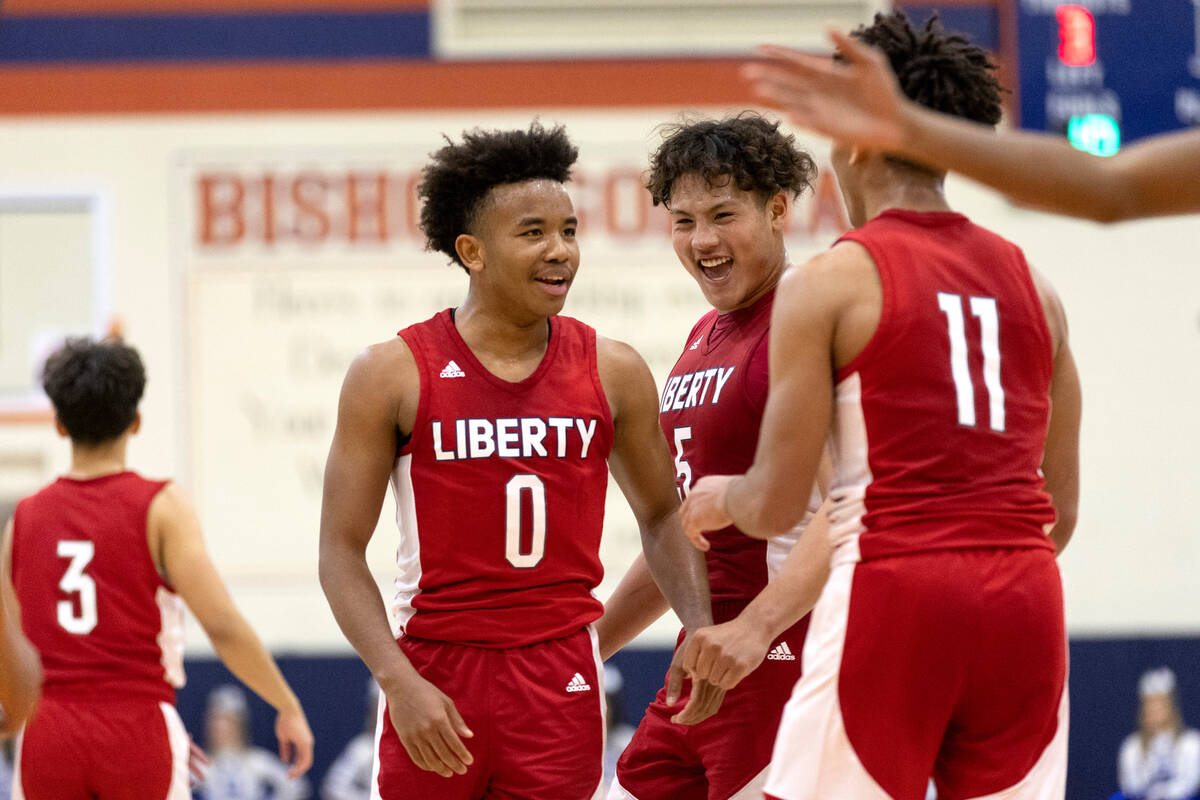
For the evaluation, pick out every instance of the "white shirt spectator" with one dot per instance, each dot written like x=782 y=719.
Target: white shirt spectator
x=249 y=774
x=1167 y=769
x=349 y=777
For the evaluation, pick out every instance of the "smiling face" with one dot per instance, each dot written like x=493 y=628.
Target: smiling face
x=728 y=239
x=522 y=253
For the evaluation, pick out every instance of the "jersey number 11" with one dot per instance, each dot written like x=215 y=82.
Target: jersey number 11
x=989 y=342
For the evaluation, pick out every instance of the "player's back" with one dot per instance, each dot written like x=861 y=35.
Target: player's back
x=940 y=421
x=92 y=601
x=500 y=492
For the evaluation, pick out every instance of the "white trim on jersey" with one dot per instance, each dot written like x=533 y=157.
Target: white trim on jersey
x=1047 y=780
x=17 y=792
x=379 y=712
x=813 y=758
x=602 y=699
x=170 y=636
x=754 y=789
x=408 y=552
x=852 y=470
x=180 y=744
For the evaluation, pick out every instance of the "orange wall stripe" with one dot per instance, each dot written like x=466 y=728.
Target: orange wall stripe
x=369 y=85
x=61 y=7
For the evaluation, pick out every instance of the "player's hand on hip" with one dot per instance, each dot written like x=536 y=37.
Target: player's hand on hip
x=198 y=762
x=430 y=728
x=725 y=654
x=704 y=698
x=704 y=509
x=295 y=740
x=704 y=701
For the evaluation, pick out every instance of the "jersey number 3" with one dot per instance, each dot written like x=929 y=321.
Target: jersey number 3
x=79 y=583
x=989 y=334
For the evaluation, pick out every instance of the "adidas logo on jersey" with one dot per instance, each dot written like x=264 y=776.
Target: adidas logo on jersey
x=696 y=343
x=578 y=684
x=453 y=370
x=781 y=652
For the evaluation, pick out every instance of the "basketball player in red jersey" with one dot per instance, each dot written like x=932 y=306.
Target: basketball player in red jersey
x=728 y=185
x=20 y=669
x=497 y=423
x=937 y=647
x=102 y=561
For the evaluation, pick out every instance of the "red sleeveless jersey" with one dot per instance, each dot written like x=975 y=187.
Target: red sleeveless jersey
x=500 y=492
x=711 y=412
x=940 y=422
x=104 y=621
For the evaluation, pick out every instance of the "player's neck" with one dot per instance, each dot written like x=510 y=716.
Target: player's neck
x=906 y=195
x=95 y=461
x=497 y=334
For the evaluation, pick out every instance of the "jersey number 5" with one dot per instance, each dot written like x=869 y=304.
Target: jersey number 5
x=513 y=518
x=76 y=581
x=682 y=468
x=989 y=335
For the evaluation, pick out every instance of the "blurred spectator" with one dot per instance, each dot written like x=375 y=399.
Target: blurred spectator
x=6 y=771
x=349 y=777
x=1161 y=760
x=618 y=731
x=240 y=771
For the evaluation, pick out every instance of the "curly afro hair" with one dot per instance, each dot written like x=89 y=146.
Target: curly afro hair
x=939 y=70
x=459 y=177
x=748 y=148
x=95 y=387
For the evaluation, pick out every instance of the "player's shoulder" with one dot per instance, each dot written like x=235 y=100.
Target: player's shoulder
x=616 y=356
x=842 y=269
x=383 y=364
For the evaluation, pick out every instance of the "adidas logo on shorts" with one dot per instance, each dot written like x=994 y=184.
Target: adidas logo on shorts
x=452 y=370
x=578 y=684
x=781 y=652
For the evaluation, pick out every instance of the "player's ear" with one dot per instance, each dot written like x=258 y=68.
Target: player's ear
x=777 y=210
x=137 y=423
x=58 y=426
x=470 y=251
x=858 y=155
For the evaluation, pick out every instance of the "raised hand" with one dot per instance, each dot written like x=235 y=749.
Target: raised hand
x=856 y=101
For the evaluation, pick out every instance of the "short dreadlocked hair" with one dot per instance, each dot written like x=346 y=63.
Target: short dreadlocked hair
x=747 y=148
x=95 y=387
x=939 y=70
x=459 y=177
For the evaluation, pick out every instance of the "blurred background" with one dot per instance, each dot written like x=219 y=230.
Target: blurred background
x=230 y=184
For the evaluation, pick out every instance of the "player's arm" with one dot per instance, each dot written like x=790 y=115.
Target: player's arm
x=725 y=654
x=1060 y=459
x=20 y=667
x=187 y=567
x=379 y=397
x=771 y=498
x=635 y=604
x=640 y=462
x=859 y=102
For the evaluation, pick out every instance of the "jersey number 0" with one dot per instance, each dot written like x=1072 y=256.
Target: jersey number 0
x=516 y=486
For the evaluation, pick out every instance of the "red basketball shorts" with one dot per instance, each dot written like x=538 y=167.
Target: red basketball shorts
x=537 y=713
x=948 y=664
x=726 y=756
x=133 y=749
